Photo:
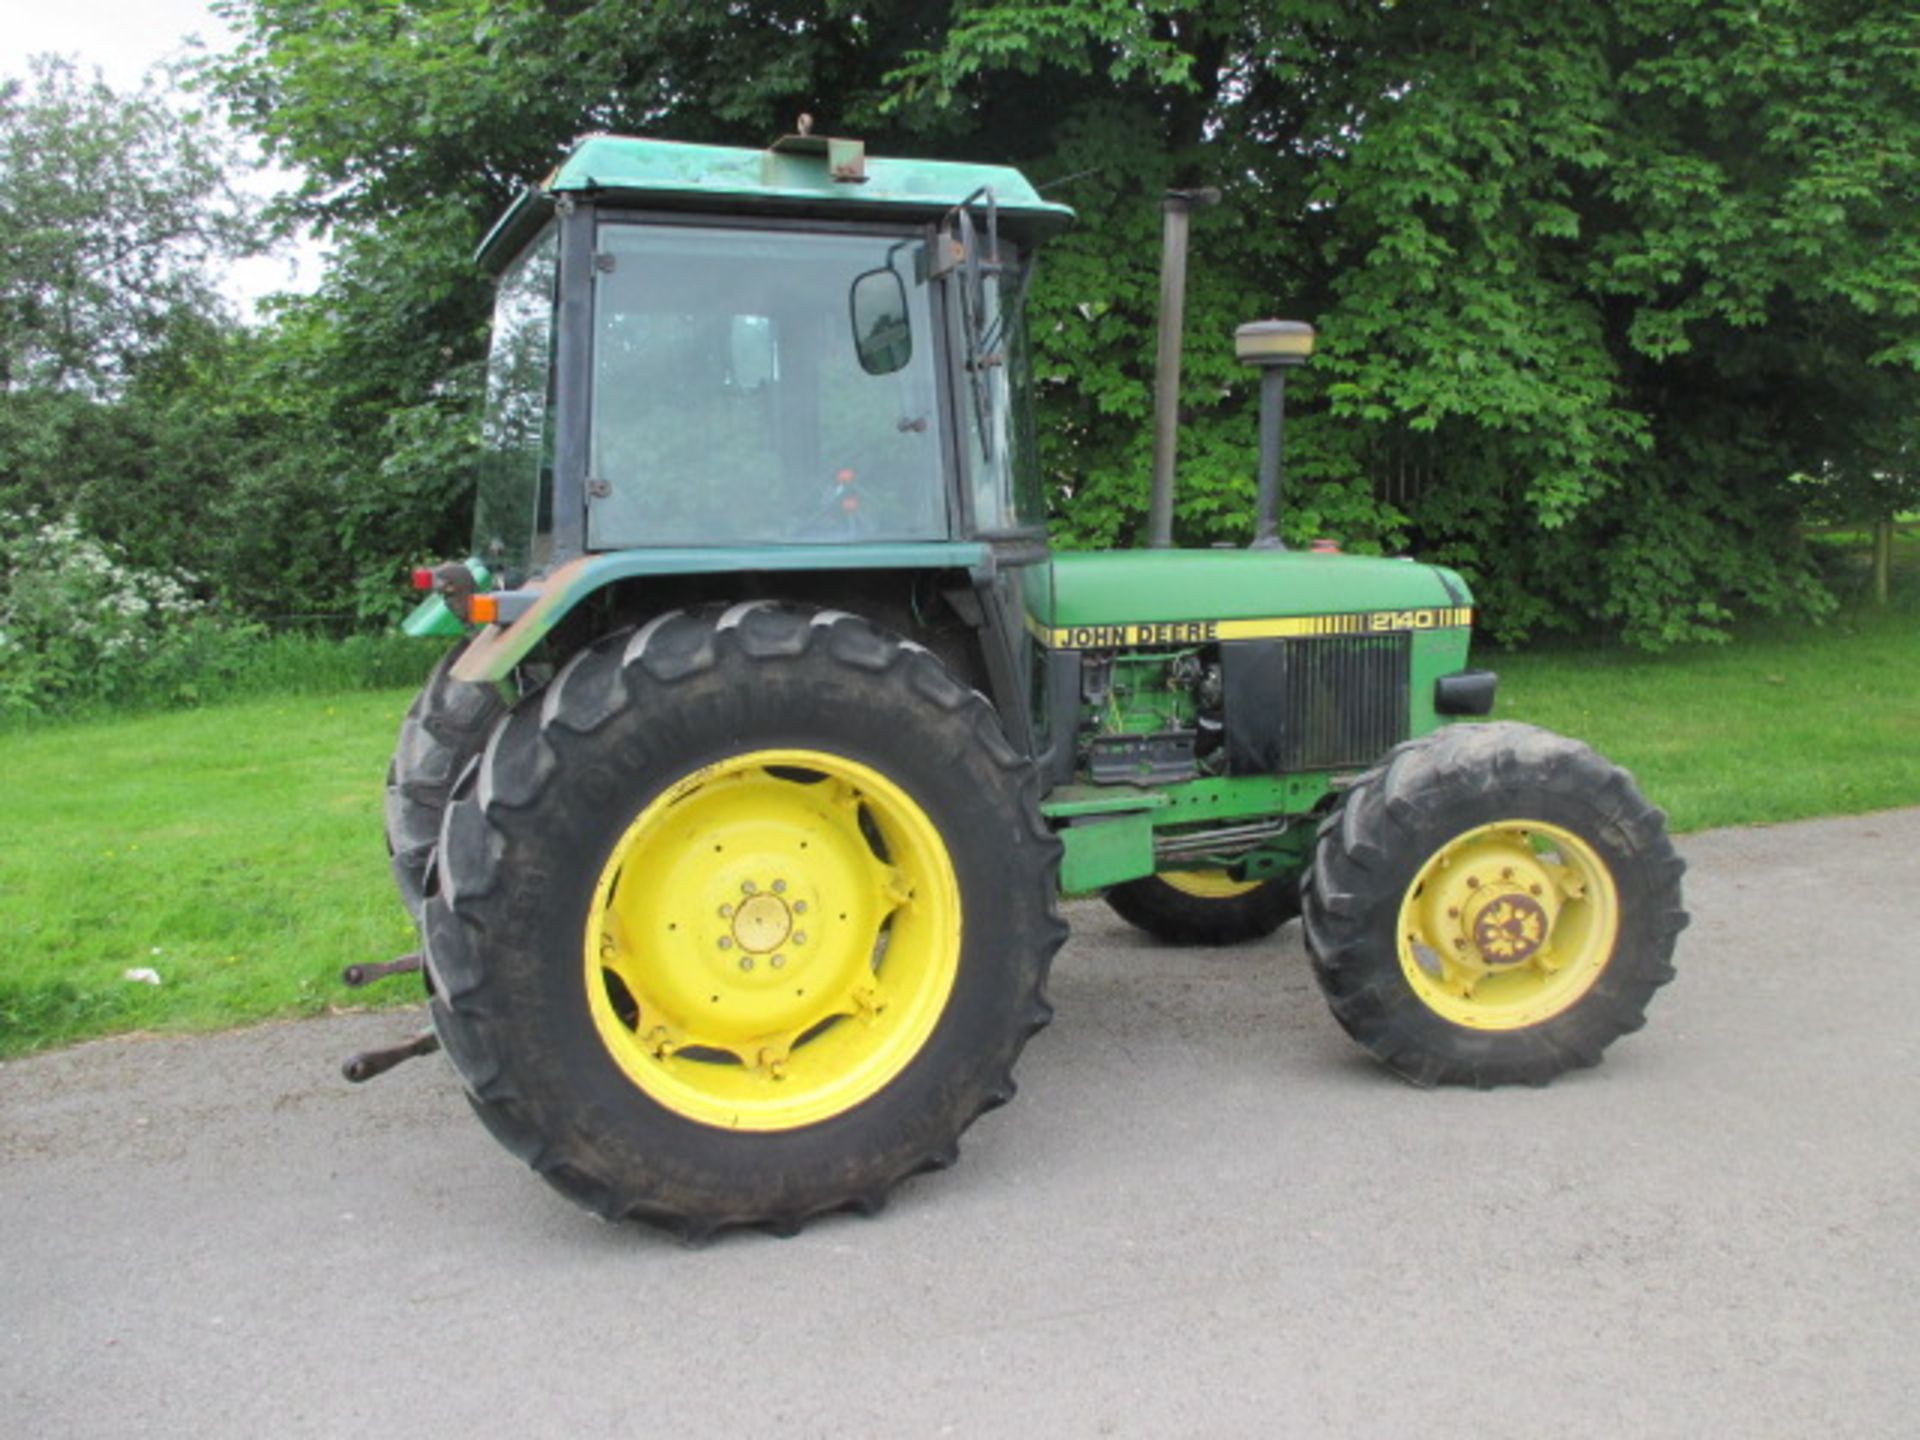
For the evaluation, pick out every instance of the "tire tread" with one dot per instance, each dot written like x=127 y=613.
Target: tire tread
x=1352 y=891
x=526 y=755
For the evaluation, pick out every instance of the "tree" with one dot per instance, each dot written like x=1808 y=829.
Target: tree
x=115 y=214
x=1593 y=282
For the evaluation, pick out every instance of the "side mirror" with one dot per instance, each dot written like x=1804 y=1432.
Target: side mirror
x=882 y=332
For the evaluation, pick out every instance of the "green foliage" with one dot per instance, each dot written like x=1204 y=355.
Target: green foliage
x=295 y=469
x=358 y=414
x=1847 y=564
x=1601 y=278
x=79 y=624
x=117 y=209
x=1122 y=41
x=1594 y=283
x=82 y=631
x=118 y=371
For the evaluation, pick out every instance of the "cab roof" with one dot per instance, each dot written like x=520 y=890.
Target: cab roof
x=800 y=176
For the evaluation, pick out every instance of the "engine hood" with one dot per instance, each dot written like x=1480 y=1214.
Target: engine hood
x=1173 y=597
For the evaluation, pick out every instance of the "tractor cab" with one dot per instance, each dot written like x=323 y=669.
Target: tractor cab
x=698 y=347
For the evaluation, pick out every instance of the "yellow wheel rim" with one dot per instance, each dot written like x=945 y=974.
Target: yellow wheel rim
x=1508 y=925
x=1207 y=884
x=772 y=940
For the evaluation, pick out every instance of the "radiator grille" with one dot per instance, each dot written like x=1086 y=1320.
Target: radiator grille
x=1316 y=704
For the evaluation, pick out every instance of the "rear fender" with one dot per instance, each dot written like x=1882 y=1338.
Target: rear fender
x=529 y=614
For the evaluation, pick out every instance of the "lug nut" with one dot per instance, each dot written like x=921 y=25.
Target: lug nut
x=1453 y=912
x=746 y=887
x=779 y=887
x=799 y=907
x=725 y=943
x=726 y=912
x=778 y=961
x=1507 y=873
x=1473 y=882
x=746 y=962
x=1533 y=890
x=799 y=937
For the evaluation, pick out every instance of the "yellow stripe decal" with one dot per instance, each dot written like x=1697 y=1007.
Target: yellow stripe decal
x=1133 y=635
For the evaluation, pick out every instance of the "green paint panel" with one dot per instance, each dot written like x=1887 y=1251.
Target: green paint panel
x=1239 y=797
x=724 y=178
x=1113 y=847
x=1068 y=801
x=731 y=173
x=1287 y=856
x=630 y=162
x=1215 y=798
x=1106 y=851
x=1108 y=830
x=433 y=618
x=741 y=559
x=582 y=578
x=1151 y=586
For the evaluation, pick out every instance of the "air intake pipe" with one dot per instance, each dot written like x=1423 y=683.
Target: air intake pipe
x=1274 y=347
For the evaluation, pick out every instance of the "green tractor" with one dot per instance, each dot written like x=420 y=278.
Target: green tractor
x=736 y=819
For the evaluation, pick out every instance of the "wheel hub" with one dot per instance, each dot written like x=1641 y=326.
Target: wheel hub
x=1510 y=929
x=1507 y=924
x=1489 y=905
x=762 y=923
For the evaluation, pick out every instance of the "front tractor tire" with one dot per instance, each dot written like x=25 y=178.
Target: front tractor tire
x=744 y=919
x=1493 y=905
x=1206 y=907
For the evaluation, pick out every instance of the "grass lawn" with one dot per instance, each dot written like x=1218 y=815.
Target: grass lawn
x=236 y=851
x=1819 y=722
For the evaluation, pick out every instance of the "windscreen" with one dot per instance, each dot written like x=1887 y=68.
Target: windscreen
x=730 y=405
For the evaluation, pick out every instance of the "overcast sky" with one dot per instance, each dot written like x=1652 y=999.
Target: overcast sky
x=124 y=38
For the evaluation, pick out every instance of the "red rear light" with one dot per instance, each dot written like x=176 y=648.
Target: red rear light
x=422 y=578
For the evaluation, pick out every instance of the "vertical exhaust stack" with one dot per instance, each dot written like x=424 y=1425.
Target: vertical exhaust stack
x=1273 y=347
x=1176 y=207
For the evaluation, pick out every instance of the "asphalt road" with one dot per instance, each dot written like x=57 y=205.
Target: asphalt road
x=1206 y=1214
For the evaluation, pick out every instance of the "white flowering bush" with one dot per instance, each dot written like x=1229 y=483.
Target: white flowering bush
x=78 y=623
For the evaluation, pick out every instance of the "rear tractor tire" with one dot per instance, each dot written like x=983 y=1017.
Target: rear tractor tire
x=744 y=919
x=444 y=730
x=1492 y=905
x=1206 y=907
